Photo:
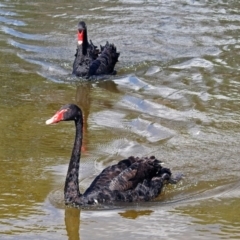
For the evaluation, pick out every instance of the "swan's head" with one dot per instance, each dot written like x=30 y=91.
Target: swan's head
x=82 y=30
x=69 y=112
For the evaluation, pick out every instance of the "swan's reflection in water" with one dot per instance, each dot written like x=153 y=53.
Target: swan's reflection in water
x=72 y=222
x=175 y=215
x=83 y=100
x=73 y=219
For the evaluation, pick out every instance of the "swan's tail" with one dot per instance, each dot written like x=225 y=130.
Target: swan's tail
x=106 y=62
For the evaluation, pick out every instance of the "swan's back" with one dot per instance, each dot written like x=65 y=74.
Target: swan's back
x=108 y=174
x=132 y=179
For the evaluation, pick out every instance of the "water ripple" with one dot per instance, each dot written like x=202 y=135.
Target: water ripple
x=153 y=132
x=195 y=62
x=12 y=21
x=18 y=34
x=7 y=13
x=164 y=112
x=26 y=47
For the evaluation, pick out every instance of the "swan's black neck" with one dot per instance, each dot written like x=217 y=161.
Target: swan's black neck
x=85 y=42
x=72 y=194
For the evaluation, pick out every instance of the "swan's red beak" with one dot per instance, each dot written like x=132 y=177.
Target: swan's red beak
x=80 y=37
x=59 y=116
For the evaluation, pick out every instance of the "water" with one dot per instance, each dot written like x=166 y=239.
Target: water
x=176 y=95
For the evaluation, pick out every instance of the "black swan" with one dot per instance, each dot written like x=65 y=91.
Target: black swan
x=88 y=59
x=130 y=180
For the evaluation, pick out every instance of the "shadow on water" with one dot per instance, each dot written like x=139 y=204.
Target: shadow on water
x=133 y=214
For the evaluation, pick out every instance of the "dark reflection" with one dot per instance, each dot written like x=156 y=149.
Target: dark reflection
x=133 y=214
x=72 y=222
x=83 y=100
x=83 y=95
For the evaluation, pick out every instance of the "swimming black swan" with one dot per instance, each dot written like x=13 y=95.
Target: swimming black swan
x=130 y=180
x=88 y=62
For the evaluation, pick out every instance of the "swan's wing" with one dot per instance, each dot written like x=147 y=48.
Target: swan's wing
x=93 y=50
x=123 y=181
x=106 y=62
x=109 y=173
x=143 y=169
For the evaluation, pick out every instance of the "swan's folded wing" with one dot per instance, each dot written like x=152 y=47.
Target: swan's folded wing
x=124 y=181
x=109 y=173
x=106 y=62
x=142 y=169
x=93 y=51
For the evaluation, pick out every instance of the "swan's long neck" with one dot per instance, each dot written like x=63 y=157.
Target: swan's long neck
x=71 y=191
x=85 y=43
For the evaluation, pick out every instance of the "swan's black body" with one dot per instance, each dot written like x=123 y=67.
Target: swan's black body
x=131 y=180
x=86 y=53
x=88 y=62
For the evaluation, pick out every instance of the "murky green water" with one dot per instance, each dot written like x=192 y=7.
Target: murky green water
x=176 y=95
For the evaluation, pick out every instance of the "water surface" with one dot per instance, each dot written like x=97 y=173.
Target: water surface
x=176 y=96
